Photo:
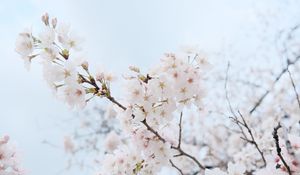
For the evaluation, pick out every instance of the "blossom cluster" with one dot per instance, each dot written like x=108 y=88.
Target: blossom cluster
x=60 y=68
x=169 y=117
x=9 y=161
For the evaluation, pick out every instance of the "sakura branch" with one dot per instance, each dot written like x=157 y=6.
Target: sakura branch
x=151 y=100
x=176 y=167
x=150 y=132
x=242 y=124
x=144 y=122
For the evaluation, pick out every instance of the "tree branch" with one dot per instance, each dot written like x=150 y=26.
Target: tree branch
x=176 y=167
x=153 y=131
x=182 y=153
x=113 y=100
x=226 y=90
x=278 y=77
x=278 y=149
x=242 y=123
x=180 y=131
x=252 y=140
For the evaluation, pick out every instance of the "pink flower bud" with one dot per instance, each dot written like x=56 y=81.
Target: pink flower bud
x=45 y=19
x=54 y=22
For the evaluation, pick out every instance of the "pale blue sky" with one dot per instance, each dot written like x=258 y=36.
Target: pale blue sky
x=117 y=33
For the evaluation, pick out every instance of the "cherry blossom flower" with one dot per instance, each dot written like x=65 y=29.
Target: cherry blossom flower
x=74 y=95
x=47 y=37
x=24 y=43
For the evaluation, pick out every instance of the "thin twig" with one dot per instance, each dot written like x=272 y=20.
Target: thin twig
x=253 y=141
x=226 y=91
x=180 y=131
x=178 y=147
x=243 y=124
x=176 y=167
x=294 y=87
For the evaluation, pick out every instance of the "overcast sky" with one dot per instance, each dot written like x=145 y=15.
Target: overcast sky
x=117 y=34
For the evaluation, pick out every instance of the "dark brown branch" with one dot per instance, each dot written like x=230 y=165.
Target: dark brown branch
x=176 y=167
x=182 y=153
x=253 y=141
x=180 y=131
x=153 y=131
x=243 y=124
x=178 y=147
x=278 y=149
x=113 y=100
